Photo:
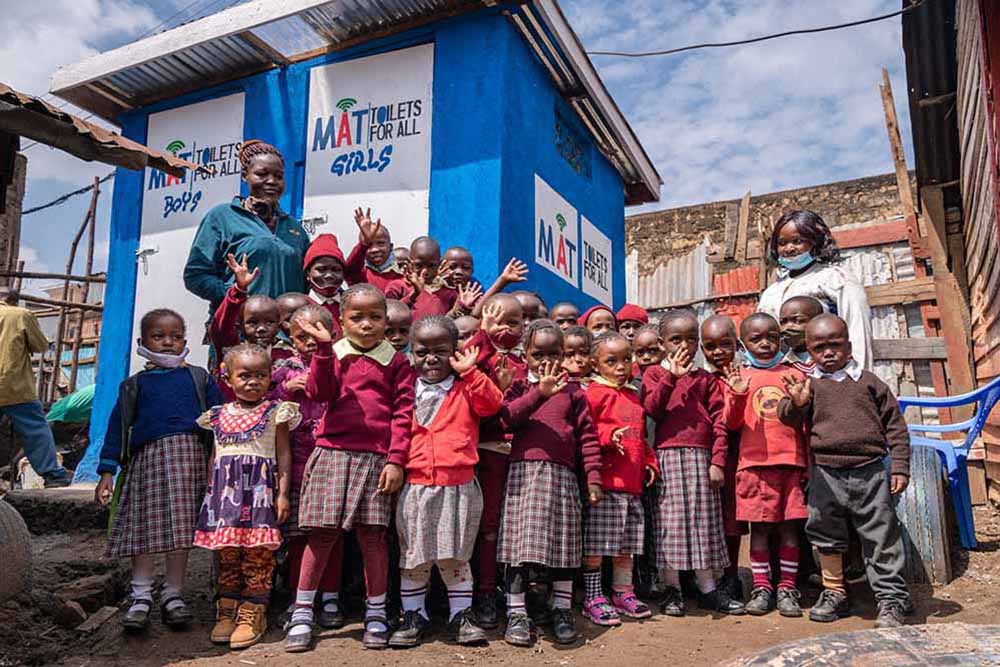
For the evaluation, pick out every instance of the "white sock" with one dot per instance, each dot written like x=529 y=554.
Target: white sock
x=142 y=588
x=170 y=591
x=706 y=580
x=516 y=604
x=670 y=577
x=375 y=612
x=413 y=589
x=302 y=614
x=457 y=576
x=331 y=602
x=562 y=594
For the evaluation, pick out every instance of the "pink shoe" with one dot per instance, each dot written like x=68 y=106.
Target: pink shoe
x=629 y=605
x=600 y=612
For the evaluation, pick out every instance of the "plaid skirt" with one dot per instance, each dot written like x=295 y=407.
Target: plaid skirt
x=614 y=526
x=340 y=490
x=160 y=499
x=290 y=528
x=688 y=520
x=541 y=520
x=437 y=522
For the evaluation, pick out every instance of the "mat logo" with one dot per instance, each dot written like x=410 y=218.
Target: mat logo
x=185 y=193
x=556 y=240
x=175 y=146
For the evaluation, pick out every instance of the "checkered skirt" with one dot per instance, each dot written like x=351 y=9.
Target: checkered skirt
x=614 y=526
x=160 y=499
x=688 y=517
x=541 y=520
x=437 y=522
x=340 y=490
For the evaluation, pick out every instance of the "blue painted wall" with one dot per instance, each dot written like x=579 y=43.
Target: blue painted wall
x=493 y=129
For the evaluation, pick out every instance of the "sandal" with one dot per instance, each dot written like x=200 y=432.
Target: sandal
x=628 y=605
x=179 y=616
x=136 y=618
x=600 y=612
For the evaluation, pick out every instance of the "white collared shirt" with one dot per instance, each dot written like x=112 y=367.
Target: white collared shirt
x=851 y=370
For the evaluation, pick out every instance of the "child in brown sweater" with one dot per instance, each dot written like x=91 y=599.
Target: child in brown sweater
x=853 y=421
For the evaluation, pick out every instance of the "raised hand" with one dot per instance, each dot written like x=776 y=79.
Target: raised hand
x=416 y=279
x=679 y=362
x=317 y=330
x=241 y=272
x=464 y=361
x=800 y=391
x=731 y=376
x=504 y=374
x=367 y=228
x=469 y=294
x=551 y=379
x=492 y=312
x=516 y=271
x=616 y=438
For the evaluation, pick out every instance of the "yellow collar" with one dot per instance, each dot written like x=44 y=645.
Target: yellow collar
x=600 y=379
x=382 y=353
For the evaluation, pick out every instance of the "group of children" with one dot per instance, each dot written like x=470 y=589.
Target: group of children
x=485 y=434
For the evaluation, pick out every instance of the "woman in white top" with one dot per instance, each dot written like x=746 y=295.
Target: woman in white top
x=808 y=258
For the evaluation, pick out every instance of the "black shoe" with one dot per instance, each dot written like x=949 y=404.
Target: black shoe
x=718 y=600
x=136 y=619
x=413 y=629
x=830 y=606
x=57 y=481
x=487 y=616
x=760 y=601
x=178 y=617
x=890 y=614
x=298 y=643
x=520 y=630
x=463 y=629
x=330 y=620
x=672 y=603
x=788 y=602
x=375 y=638
x=732 y=585
x=563 y=626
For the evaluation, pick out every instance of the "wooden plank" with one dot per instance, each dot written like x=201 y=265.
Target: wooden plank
x=732 y=221
x=881 y=233
x=741 y=230
x=904 y=291
x=896 y=146
x=97 y=619
x=884 y=349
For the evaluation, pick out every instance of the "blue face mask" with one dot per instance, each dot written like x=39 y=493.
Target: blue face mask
x=797 y=262
x=757 y=363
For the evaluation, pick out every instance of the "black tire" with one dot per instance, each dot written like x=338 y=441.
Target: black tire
x=923 y=512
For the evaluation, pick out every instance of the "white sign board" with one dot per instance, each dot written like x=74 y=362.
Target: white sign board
x=206 y=133
x=595 y=254
x=556 y=246
x=368 y=143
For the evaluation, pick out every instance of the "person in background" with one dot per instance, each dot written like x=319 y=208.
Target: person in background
x=553 y=438
x=437 y=516
x=565 y=314
x=615 y=526
x=248 y=495
x=809 y=264
x=288 y=303
x=531 y=305
x=578 y=358
x=254 y=227
x=402 y=255
x=373 y=260
x=20 y=337
x=398 y=323
x=324 y=267
x=647 y=347
x=598 y=319
x=853 y=422
x=630 y=317
x=795 y=314
x=457 y=267
x=153 y=438
x=467 y=328
x=422 y=289
x=689 y=409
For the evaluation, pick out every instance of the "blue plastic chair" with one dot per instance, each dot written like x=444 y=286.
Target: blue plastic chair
x=955 y=454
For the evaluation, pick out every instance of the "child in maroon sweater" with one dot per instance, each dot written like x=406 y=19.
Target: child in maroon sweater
x=423 y=290
x=614 y=527
x=372 y=260
x=361 y=446
x=324 y=269
x=289 y=379
x=687 y=405
x=553 y=435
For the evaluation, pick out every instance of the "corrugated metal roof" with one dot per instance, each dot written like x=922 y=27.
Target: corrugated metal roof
x=28 y=116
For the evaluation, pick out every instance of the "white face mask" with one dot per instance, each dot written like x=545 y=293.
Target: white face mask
x=160 y=359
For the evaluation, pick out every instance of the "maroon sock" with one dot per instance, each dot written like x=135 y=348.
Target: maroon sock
x=760 y=563
x=789 y=556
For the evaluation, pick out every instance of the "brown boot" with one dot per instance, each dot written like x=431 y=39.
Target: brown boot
x=251 y=624
x=225 y=620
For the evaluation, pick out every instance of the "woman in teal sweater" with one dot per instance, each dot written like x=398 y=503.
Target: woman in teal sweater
x=255 y=226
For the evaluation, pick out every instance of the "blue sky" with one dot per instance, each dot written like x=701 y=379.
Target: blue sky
x=782 y=114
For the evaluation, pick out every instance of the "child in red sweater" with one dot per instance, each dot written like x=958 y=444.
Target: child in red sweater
x=424 y=291
x=719 y=343
x=565 y=314
x=688 y=407
x=647 y=348
x=399 y=321
x=289 y=383
x=361 y=446
x=437 y=517
x=598 y=319
x=372 y=260
x=553 y=436
x=630 y=318
x=324 y=269
x=614 y=526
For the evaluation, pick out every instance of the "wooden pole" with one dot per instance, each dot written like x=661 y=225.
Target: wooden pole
x=81 y=313
x=21 y=273
x=31 y=298
x=20 y=269
x=896 y=147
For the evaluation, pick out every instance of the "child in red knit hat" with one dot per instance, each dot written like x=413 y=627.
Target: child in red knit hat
x=630 y=319
x=324 y=269
x=598 y=319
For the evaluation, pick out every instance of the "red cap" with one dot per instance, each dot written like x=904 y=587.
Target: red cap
x=324 y=245
x=590 y=311
x=634 y=313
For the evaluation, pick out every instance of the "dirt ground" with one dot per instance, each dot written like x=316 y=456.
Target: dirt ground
x=28 y=634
